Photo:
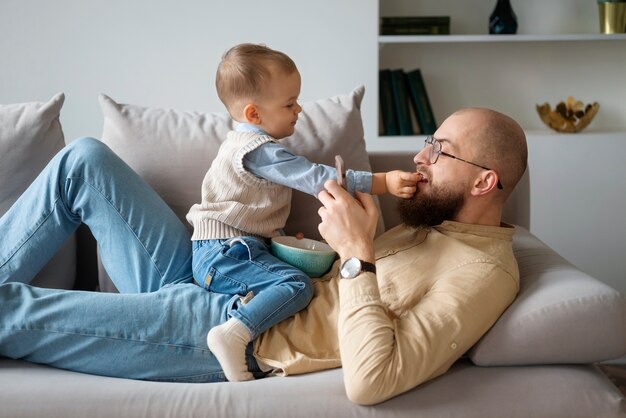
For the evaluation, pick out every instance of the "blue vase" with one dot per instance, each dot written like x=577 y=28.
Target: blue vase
x=503 y=19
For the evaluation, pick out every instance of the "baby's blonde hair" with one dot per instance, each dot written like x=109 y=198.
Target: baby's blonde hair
x=244 y=71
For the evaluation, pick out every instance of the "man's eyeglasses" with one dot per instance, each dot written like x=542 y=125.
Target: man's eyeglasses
x=435 y=151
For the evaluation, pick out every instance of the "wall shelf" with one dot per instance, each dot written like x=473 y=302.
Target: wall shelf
x=404 y=39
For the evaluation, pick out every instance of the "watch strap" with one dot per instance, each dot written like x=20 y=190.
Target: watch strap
x=369 y=267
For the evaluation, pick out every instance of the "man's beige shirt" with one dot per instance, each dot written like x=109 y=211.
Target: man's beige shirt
x=436 y=292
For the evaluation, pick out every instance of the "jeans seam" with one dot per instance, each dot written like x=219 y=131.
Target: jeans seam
x=105 y=337
x=110 y=202
x=39 y=225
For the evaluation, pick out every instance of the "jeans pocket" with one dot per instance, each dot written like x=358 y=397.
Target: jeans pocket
x=237 y=249
x=218 y=282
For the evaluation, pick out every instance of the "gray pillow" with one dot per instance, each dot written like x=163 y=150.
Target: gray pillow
x=172 y=149
x=30 y=135
x=561 y=314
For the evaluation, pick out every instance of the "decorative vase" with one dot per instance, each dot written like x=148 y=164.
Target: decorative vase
x=503 y=19
x=612 y=15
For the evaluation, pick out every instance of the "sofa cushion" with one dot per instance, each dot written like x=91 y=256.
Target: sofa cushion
x=30 y=135
x=31 y=390
x=561 y=314
x=172 y=149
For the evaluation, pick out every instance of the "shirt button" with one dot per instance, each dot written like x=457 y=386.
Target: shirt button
x=391 y=252
x=453 y=346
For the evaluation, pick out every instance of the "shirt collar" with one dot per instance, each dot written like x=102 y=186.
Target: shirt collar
x=248 y=127
x=504 y=231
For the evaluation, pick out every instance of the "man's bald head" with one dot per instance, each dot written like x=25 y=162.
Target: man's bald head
x=496 y=141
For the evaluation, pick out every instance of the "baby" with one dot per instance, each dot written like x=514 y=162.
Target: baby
x=246 y=197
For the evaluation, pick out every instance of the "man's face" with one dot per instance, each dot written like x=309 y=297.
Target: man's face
x=445 y=185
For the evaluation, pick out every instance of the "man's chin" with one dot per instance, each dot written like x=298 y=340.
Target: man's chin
x=430 y=209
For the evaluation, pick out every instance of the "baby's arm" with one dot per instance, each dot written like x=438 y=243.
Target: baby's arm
x=398 y=183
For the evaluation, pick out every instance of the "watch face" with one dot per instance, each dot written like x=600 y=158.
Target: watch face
x=351 y=268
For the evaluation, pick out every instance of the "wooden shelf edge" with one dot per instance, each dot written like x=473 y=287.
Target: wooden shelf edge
x=401 y=39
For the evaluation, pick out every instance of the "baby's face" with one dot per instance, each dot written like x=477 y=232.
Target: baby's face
x=279 y=108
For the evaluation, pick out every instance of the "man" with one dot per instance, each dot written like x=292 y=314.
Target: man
x=402 y=312
x=441 y=279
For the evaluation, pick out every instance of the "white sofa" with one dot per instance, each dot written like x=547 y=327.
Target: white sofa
x=537 y=361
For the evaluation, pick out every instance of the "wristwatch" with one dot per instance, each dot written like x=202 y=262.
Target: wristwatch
x=352 y=267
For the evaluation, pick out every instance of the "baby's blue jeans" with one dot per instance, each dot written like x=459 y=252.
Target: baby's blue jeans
x=245 y=264
x=156 y=328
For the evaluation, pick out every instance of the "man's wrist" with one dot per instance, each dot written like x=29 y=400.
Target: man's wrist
x=364 y=254
x=354 y=267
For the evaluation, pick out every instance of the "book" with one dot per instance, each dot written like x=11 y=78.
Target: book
x=414 y=20
x=417 y=130
x=387 y=106
x=399 y=92
x=415 y=25
x=401 y=30
x=421 y=104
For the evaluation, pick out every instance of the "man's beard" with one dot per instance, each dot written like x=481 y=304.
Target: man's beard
x=431 y=209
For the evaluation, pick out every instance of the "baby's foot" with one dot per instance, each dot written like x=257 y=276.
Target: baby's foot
x=228 y=343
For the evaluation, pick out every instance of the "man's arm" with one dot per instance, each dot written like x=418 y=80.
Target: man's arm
x=383 y=355
x=348 y=224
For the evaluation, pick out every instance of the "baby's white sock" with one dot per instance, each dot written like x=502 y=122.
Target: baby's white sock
x=228 y=343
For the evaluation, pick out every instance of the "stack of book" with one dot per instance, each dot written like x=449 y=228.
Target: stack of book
x=404 y=105
x=415 y=25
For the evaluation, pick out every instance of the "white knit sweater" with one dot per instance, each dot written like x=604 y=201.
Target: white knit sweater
x=234 y=201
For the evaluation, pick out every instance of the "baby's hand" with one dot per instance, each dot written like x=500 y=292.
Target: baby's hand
x=402 y=183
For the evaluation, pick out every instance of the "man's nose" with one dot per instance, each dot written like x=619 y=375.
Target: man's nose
x=421 y=158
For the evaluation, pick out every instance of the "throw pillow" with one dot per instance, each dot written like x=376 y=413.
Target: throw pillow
x=30 y=135
x=559 y=315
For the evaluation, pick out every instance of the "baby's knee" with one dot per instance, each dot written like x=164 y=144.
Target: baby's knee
x=307 y=290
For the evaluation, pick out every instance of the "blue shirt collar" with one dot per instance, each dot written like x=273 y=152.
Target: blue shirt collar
x=248 y=127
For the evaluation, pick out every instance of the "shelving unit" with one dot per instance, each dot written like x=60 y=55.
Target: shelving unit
x=513 y=73
x=577 y=182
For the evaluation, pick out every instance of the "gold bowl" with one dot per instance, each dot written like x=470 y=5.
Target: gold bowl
x=569 y=116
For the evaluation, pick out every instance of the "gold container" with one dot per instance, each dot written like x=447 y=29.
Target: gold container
x=612 y=17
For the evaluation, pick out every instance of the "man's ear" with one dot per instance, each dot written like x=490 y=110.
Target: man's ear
x=251 y=114
x=486 y=182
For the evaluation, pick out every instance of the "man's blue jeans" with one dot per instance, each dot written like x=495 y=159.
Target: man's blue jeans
x=156 y=328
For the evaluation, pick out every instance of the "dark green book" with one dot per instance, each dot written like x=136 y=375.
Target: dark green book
x=400 y=96
x=415 y=20
x=414 y=30
x=387 y=106
x=420 y=102
x=415 y=25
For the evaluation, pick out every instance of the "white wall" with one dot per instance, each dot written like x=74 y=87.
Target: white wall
x=578 y=200
x=164 y=53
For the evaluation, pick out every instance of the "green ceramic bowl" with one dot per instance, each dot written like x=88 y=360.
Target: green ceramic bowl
x=311 y=256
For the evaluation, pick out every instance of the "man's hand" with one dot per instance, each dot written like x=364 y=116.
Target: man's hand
x=348 y=224
x=402 y=183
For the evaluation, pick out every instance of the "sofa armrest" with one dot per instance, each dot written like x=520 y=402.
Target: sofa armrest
x=561 y=315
